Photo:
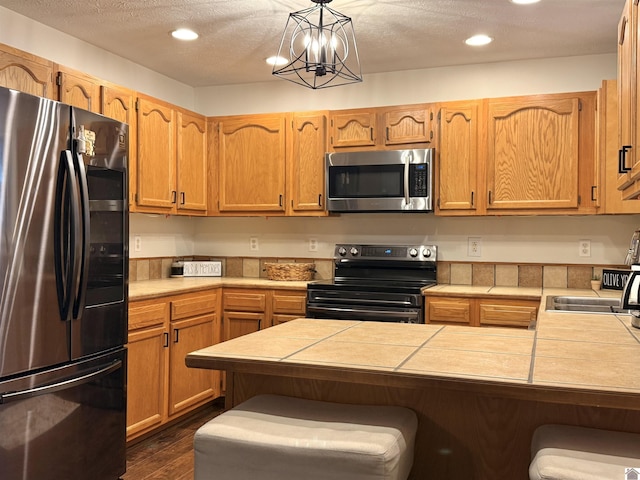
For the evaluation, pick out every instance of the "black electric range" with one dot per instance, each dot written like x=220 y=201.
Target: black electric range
x=375 y=283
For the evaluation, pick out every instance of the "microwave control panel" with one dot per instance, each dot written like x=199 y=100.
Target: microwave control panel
x=418 y=180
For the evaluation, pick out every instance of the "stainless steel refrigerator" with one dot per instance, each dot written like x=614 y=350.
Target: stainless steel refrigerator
x=63 y=284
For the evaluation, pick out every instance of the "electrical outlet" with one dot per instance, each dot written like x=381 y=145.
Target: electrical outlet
x=253 y=244
x=584 y=248
x=474 y=247
x=313 y=245
x=137 y=243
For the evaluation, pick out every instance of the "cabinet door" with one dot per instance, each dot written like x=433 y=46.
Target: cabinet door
x=458 y=171
x=306 y=177
x=192 y=163
x=626 y=89
x=533 y=149
x=120 y=103
x=190 y=386
x=26 y=73
x=156 y=157
x=449 y=310
x=507 y=313
x=407 y=126
x=79 y=90
x=251 y=164
x=236 y=324
x=146 y=379
x=353 y=129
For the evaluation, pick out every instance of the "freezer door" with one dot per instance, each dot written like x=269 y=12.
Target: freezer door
x=67 y=423
x=33 y=132
x=100 y=148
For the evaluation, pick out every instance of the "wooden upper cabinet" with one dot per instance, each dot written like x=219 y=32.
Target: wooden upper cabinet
x=251 y=163
x=533 y=145
x=156 y=165
x=306 y=167
x=403 y=126
x=25 y=72
x=192 y=162
x=353 y=128
x=628 y=102
x=78 y=89
x=457 y=175
x=120 y=104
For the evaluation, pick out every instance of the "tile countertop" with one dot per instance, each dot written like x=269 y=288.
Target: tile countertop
x=594 y=356
x=144 y=290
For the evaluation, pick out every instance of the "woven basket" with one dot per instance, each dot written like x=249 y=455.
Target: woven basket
x=290 y=271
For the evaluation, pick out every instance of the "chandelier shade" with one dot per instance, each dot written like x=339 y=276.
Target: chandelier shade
x=320 y=46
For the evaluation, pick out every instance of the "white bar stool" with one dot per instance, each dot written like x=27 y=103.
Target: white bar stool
x=564 y=452
x=272 y=437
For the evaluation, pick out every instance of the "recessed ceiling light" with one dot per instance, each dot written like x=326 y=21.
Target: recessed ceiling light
x=277 y=61
x=184 y=34
x=524 y=2
x=478 y=40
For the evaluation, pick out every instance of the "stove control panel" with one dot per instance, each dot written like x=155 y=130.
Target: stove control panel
x=387 y=252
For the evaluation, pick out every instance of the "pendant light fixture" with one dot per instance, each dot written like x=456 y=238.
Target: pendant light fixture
x=320 y=46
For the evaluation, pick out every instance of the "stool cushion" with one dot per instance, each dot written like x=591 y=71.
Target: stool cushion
x=272 y=437
x=563 y=452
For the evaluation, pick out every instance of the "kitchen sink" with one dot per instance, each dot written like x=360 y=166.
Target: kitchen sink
x=563 y=303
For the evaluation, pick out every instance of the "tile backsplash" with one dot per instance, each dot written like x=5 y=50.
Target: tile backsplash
x=455 y=273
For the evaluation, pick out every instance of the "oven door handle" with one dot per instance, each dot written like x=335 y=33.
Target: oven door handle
x=362 y=311
x=367 y=301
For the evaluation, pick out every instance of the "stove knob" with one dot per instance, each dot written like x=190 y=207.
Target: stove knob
x=413 y=252
x=426 y=252
x=353 y=251
x=342 y=251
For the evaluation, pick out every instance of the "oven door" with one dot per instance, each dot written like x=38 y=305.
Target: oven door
x=360 y=312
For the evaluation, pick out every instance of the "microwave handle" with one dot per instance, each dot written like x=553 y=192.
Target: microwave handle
x=407 y=166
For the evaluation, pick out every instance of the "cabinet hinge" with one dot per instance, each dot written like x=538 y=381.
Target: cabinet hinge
x=59 y=79
x=438 y=202
x=579 y=105
x=579 y=199
x=137 y=105
x=430 y=115
x=431 y=134
x=136 y=197
x=439 y=116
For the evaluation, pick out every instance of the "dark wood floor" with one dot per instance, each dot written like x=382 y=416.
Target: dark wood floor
x=168 y=455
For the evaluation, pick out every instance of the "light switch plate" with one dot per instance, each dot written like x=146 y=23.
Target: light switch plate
x=202 y=269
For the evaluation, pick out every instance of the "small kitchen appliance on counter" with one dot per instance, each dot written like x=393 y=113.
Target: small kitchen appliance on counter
x=631 y=293
x=376 y=283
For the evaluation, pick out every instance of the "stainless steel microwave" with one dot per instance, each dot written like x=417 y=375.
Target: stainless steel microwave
x=380 y=181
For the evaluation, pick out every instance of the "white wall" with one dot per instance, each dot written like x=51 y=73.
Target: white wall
x=553 y=75
x=528 y=239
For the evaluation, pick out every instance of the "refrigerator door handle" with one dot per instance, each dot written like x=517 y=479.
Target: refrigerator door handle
x=83 y=248
x=67 y=212
x=63 y=385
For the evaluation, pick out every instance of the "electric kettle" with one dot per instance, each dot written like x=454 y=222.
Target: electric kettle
x=631 y=293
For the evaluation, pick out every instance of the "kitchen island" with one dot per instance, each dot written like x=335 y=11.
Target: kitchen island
x=479 y=392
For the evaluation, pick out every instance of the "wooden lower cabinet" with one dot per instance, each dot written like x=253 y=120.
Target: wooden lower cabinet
x=287 y=305
x=480 y=311
x=244 y=311
x=162 y=331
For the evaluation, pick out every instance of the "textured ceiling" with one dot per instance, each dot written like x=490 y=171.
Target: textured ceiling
x=237 y=35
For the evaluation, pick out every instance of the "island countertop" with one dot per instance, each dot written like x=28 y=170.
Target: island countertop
x=592 y=356
x=479 y=393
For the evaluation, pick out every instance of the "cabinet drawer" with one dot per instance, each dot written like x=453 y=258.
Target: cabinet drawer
x=146 y=314
x=507 y=315
x=193 y=305
x=245 y=301
x=289 y=303
x=449 y=311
